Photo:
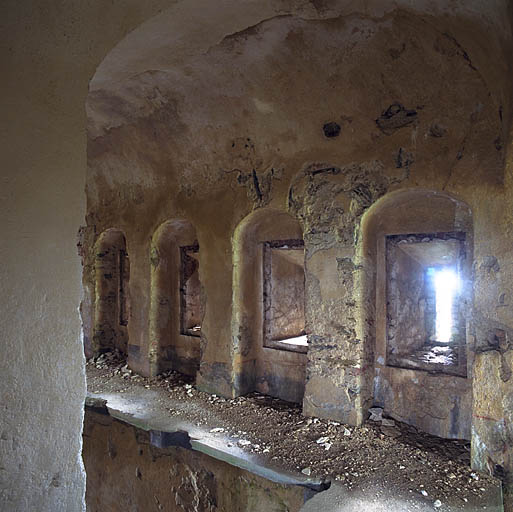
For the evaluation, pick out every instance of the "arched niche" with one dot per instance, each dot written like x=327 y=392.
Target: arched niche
x=268 y=305
x=176 y=311
x=420 y=377
x=112 y=274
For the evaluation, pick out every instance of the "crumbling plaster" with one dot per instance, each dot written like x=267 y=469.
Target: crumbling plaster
x=421 y=95
x=51 y=55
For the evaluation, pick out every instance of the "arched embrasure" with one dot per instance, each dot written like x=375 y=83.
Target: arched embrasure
x=268 y=305
x=176 y=311
x=112 y=309
x=408 y=236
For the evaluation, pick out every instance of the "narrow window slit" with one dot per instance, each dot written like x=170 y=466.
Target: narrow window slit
x=425 y=307
x=190 y=291
x=284 y=295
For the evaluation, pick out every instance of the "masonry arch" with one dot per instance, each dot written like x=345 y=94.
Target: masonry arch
x=268 y=305
x=112 y=274
x=407 y=237
x=176 y=311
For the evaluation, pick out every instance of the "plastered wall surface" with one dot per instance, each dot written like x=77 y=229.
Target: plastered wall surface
x=151 y=147
x=317 y=110
x=171 y=347
x=48 y=53
x=272 y=371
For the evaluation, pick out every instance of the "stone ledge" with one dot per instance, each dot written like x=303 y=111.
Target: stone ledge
x=166 y=431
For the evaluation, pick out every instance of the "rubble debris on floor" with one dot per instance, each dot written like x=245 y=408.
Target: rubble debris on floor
x=381 y=449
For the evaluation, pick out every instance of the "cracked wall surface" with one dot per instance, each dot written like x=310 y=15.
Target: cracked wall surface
x=321 y=111
x=52 y=54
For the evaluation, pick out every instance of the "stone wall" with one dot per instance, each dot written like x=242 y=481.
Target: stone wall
x=51 y=56
x=126 y=471
x=325 y=116
x=406 y=329
x=112 y=310
x=171 y=346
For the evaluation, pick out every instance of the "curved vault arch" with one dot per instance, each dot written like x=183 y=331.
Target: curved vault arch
x=172 y=345
x=260 y=364
x=401 y=387
x=169 y=32
x=111 y=305
x=193 y=26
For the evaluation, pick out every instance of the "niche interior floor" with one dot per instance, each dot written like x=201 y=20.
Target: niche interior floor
x=392 y=453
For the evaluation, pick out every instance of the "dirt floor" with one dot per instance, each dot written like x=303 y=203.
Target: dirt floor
x=386 y=451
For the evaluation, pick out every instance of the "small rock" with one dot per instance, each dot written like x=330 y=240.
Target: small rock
x=243 y=442
x=306 y=471
x=437 y=504
x=322 y=440
x=423 y=492
x=217 y=429
x=347 y=432
x=376 y=414
x=391 y=431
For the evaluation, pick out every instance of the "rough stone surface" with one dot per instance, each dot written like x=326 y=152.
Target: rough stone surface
x=402 y=132
x=226 y=119
x=126 y=471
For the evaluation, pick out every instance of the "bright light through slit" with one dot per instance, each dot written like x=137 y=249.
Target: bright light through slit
x=446 y=284
x=298 y=340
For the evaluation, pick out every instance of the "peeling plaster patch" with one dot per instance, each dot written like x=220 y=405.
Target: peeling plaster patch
x=264 y=108
x=437 y=130
x=258 y=185
x=395 y=117
x=505 y=370
x=251 y=172
x=490 y=264
x=404 y=159
x=242 y=343
x=330 y=200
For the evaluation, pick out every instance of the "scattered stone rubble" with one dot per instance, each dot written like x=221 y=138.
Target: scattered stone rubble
x=382 y=449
